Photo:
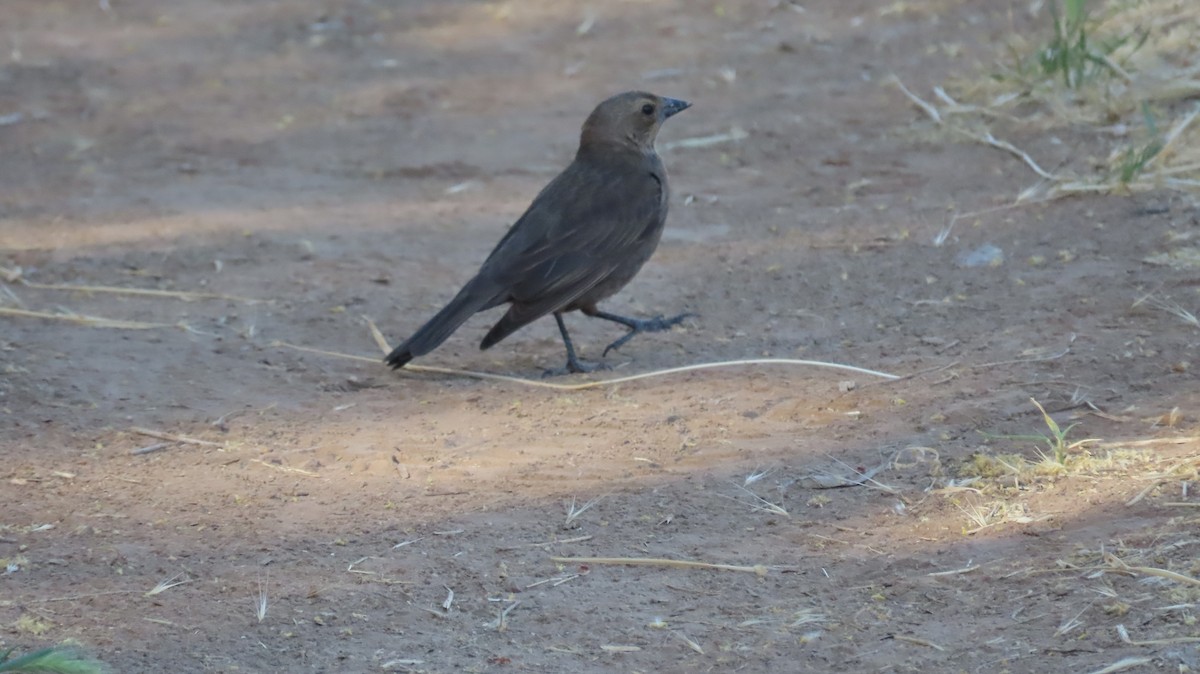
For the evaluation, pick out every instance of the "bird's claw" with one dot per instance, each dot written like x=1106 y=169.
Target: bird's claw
x=657 y=324
x=661 y=322
x=619 y=343
x=575 y=366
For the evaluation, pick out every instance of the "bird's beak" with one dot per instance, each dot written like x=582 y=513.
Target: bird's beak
x=673 y=106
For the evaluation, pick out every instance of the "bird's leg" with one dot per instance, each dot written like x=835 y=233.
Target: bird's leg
x=636 y=325
x=573 y=362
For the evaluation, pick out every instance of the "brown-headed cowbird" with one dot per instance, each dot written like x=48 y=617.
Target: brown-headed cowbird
x=582 y=239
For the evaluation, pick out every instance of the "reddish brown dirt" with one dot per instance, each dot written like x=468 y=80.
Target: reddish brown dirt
x=345 y=158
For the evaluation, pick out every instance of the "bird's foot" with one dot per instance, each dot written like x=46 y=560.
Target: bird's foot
x=660 y=323
x=575 y=366
x=656 y=324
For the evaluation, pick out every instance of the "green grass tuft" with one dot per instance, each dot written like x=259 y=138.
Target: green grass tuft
x=49 y=661
x=1133 y=161
x=1072 y=54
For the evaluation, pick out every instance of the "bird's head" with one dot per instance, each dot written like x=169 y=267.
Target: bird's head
x=631 y=119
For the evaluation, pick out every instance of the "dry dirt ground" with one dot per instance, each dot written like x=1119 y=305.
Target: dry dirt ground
x=349 y=158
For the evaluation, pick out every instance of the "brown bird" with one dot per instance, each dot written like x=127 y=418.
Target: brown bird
x=584 y=237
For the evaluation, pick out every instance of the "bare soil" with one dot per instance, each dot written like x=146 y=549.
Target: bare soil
x=348 y=158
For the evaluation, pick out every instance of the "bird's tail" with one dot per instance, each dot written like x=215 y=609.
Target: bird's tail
x=467 y=303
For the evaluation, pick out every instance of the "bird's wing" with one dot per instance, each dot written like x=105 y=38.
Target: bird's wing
x=576 y=232
x=553 y=291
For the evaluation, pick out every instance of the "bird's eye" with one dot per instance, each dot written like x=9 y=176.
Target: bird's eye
x=648 y=109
